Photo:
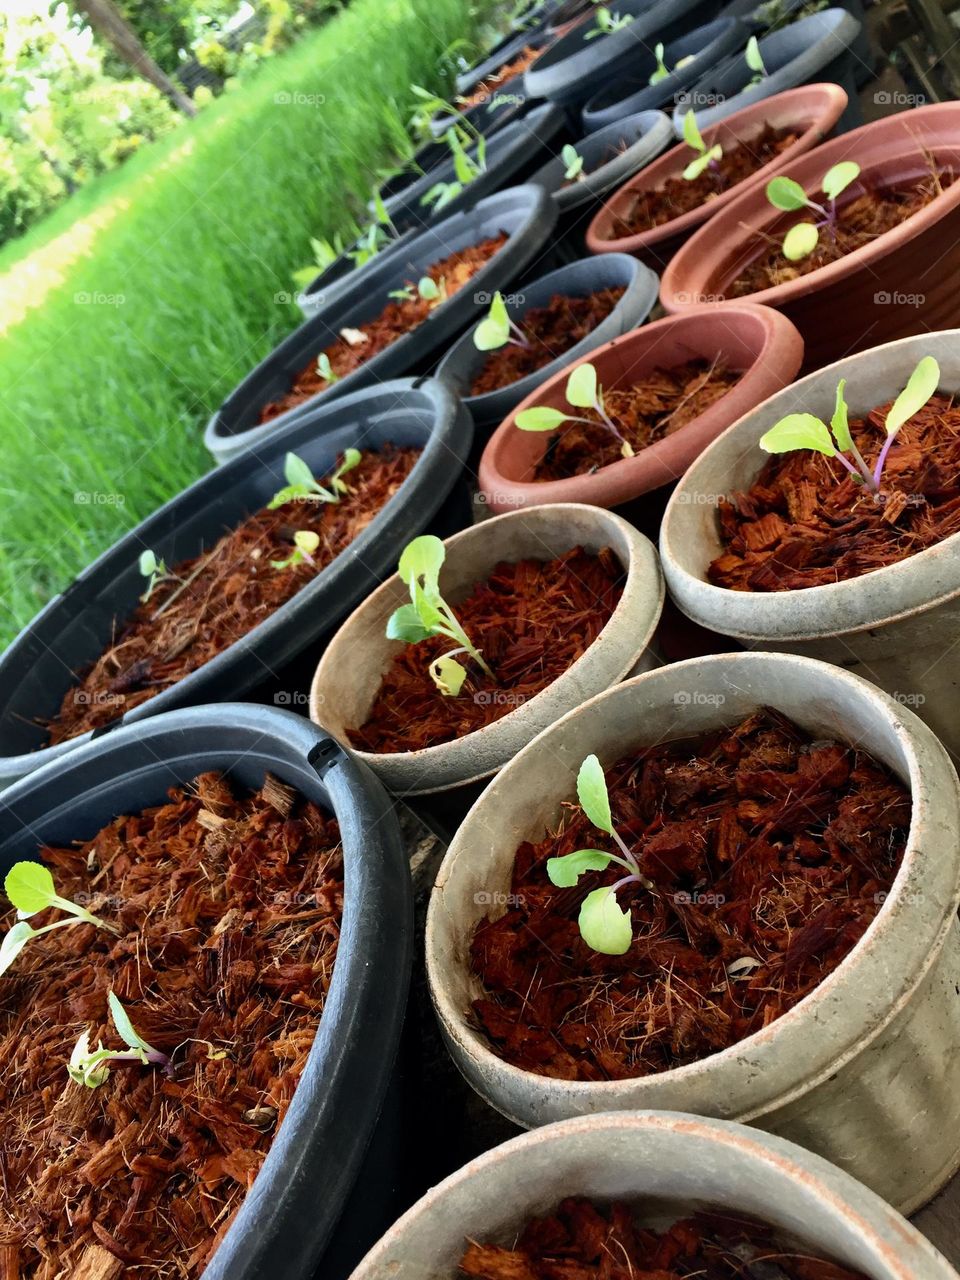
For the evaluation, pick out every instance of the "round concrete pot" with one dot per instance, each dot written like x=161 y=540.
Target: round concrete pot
x=664 y=1165
x=351 y=669
x=752 y=339
x=896 y=626
x=865 y=1070
x=699 y=51
x=903 y=282
x=813 y=110
x=463 y=362
x=813 y=49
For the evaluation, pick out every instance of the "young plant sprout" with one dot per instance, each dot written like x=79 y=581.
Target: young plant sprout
x=325 y=369
x=30 y=888
x=804 y=431
x=783 y=193
x=496 y=329
x=91 y=1067
x=607 y=23
x=573 y=162
x=460 y=135
x=706 y=156
x=305 y=543
x=303 y=487
x=154 y=570
x=428 y=614
x=661 y=71
x=583 y=392
x=427 y=288
x=604 y=925
x=755 y=60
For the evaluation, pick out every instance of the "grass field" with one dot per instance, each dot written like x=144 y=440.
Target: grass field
x=128 y=314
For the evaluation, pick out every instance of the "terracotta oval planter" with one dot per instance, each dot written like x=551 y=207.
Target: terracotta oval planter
x=869 y=1053
x=666 y=1165
x=755 y=340
x=814 y=108
x=895 y=626
x=352 y=667
x=904 y=282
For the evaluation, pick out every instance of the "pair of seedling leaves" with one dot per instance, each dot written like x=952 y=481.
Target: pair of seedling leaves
x=301 y=486
x=607 y=23
x=582 y=392
x=368 y=244
x=752 y=54
x=805 y=431
x=31 y=889
x=783 y=193
x=428 y=614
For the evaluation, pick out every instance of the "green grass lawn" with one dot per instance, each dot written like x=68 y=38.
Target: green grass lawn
x=128 y=314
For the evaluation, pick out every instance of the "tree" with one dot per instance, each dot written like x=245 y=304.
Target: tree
x=104 y=17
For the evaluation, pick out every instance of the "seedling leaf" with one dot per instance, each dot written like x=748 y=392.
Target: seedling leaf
x=800 y=241
x=567 y=870
x=494 y=330
x=660 y=72
x=701 y=163
x=30 y=887
x=422 y=558
x=592 y=794
x=428 y=289
x=448 y=675
x=125 y=1030
x=405 y=624
x=691 y=133
x=14 y=940
x=839 y=177
x=838 y=423
x=784 y=193
x=296 y=472
x=754 y=57
x=542 y=418
x=921 y=385
x=798 y=431
x=582 y=387
x=604 y=925
x=148 y=563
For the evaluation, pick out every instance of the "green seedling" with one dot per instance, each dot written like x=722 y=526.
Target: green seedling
x=573 y=163
x=661 y=71
x=325 y=254
x=153 y=568
x=706 y=156
x=428 y=614
x=607 y=23
x=302 y=486
x=604 y=925
x=496 y=329
x=326 y=370
x=582 y=392
x=427 y=288
x=804 y=431
x=305 y=543
x=462 y=138
x=91 y=1067
x=783 y=193
x=755 y=60
x=30 y=888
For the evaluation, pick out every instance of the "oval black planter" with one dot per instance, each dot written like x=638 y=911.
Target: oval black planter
x=762 y=19
x=334 y=280
x=610 y=156
x=289 y=1218
x=463 y=361
x=71 y=631
x=705 y=47
x=527 y=214
x=575 y=67
x=512 y=154
x=813 y=49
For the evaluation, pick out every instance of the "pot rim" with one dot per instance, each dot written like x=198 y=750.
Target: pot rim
x=901 y=920
x=629 y=476
x=827 y=104
x=723 y=227
x=639 y=569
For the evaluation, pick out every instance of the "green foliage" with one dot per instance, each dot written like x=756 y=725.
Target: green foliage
x=582 y=392
x=783 y=193
x=30 y=888
x=90 y=1067
x=302 y=486
x=706 y=156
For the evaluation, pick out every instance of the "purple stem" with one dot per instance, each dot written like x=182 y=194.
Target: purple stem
x=878 y=469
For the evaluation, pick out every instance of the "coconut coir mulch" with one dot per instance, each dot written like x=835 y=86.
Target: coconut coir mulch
x=487 y=88
x=180 y=628
x=228 y=908
x=550 y=331
x=647 y=209
x=859 y=221
x=657 y=405
x=763 y=845
x=354 y=347
x=805 y=522
x=531 y=620
x=581 y=1241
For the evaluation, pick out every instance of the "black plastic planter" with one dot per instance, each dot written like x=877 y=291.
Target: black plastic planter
x=764 y=18
x=633 y=92
x=813 y=49
x=315 y=1167
x=527 y=214
x=463 y=361
x=512 y=154
x=576 y=66
x=610 y=156
x=36 y=670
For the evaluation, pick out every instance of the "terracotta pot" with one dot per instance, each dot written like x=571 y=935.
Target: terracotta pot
x=753 y=339
x=351 y=669
x=896 y=626
x=904 y=282
x=865 y=1070
x=813 y=108
x=665 y=1165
